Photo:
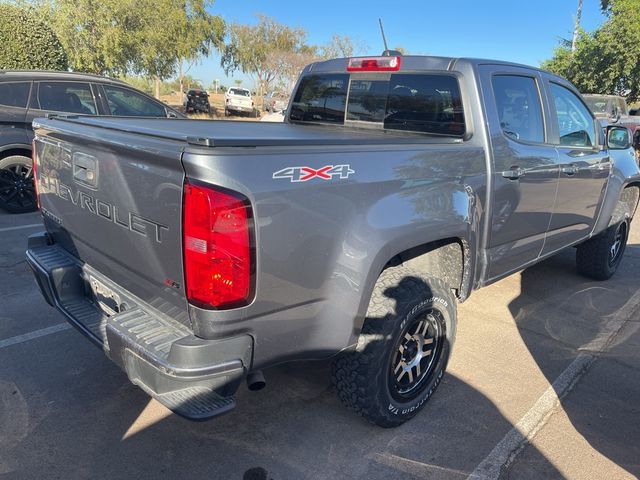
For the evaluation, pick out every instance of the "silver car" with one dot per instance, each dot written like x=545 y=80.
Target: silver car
x=275 y=102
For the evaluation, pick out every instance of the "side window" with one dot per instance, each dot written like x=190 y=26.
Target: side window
x=125 y=102
x=575 y=122
x=14 y=94
x=71 y=97
x=519 y=107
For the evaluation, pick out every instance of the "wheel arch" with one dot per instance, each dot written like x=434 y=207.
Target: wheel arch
x=15 y=149
x=627 y=203
x=448 y=258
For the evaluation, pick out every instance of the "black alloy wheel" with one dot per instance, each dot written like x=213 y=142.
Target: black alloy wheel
x=17 y=189
x=416 y=354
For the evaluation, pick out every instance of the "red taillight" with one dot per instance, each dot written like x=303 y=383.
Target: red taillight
x=217 y=248
x=374 y=64
x=34 y=170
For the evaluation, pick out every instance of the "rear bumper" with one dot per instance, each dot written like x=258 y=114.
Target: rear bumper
x=239 y=108
x=193 y=377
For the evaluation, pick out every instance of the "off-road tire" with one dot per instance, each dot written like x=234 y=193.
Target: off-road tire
x=13 y=198
x=594 y=257
x=364 y=378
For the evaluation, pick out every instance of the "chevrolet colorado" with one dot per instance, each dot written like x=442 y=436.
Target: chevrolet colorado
x=198 y=253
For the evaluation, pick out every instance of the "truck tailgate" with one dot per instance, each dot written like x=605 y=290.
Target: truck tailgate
x=239 y=100
x=116 y=208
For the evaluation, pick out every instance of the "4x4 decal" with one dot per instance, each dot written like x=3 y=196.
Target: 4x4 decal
x=303 y=174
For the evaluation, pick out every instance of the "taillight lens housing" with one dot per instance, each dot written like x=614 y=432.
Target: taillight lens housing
x=34 y=171
x=217 y=242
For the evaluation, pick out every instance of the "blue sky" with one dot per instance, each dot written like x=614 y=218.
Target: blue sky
x=513 y=30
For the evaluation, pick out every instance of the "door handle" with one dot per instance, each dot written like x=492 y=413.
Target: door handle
x=570 y=169
x=514 y=173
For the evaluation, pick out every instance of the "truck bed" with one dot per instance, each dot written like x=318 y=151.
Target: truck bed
x=219 y=133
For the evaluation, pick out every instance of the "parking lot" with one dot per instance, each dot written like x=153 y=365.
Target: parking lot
x=544 y=383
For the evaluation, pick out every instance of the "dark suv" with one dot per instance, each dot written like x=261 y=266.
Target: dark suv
x=25 y=95
x=197 y=101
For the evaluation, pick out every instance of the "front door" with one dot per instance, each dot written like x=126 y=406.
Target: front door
x=584 y=170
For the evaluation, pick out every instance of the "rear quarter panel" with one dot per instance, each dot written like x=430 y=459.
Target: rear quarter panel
x=321 y=244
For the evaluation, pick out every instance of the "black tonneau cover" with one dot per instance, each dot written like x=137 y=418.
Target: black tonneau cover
x=219 y=133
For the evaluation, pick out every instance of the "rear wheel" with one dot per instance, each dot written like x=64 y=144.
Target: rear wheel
x=402 y=351
x=599 y=257
x=17 y=190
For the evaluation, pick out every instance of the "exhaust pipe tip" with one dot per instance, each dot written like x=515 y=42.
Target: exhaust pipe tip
x=256 y=381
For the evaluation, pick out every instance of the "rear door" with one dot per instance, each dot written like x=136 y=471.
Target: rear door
x=14 y=97
x=584 y=169
x=525 y=175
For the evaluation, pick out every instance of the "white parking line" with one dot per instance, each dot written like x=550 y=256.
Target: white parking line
x=7 y=342
x=21 y=227
x=505 y=452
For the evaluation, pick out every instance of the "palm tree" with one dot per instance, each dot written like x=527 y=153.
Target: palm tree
x=576 y=30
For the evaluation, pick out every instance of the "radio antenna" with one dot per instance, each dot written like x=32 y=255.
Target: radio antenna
x=384 y=39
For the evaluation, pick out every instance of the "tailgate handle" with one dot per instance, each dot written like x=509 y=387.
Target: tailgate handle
x=85 y=169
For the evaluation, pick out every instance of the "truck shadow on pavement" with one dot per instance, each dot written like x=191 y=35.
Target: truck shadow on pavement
x=598 y=320
x=86 y=421
x=296 y=428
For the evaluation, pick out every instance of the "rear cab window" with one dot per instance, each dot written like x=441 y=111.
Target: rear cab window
x=420 y=103
x=14 y=94
x=238 y=91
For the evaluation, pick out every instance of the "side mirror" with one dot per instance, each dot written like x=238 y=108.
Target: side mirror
x=618 y=138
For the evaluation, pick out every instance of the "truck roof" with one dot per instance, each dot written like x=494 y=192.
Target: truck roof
x=422 y=62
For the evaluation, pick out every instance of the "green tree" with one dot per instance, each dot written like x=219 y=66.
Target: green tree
x=26 y=42
x=605 y=61
x=250 y=49
x=150 y=38
x=141 y=83
x=98 y=36
x=341 y=46
x=174 y=31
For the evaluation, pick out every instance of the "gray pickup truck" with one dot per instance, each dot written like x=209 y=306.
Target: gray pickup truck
x=198 y=253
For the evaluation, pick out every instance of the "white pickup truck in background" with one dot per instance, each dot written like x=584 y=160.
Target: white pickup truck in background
x=238 y=100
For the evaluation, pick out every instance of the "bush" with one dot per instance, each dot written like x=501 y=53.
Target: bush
x=26 y=42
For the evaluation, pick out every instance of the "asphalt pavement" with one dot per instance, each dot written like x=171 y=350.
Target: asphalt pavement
x=544 y=382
